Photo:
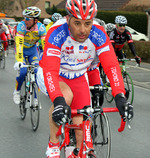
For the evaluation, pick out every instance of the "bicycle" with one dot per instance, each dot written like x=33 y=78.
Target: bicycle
x=128 y=83
x=29 y=97
x=96 y=131
x=2 y=55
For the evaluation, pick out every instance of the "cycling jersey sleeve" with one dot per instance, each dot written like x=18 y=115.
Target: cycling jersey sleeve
x=19 y=47
x=132 y=48
x=19 y=42
x=130 y=42
x=51 y=64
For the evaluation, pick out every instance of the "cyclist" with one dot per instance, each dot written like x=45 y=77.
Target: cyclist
x=29 y=31
x=56 y=16
x=73 y=46
x=4 y=35
x=109 y=28
x=101 y=22
x=48 y=23
x=119 y=35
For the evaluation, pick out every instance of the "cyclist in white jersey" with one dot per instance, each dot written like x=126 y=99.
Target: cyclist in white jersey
x=74 y=46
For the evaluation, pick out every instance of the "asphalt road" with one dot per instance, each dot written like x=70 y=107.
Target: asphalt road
x=17 y=140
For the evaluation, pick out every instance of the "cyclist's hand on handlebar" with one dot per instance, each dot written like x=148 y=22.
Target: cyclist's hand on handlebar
x=138 y=59
x=17 y=65
x=62 y=112
x=124 y=107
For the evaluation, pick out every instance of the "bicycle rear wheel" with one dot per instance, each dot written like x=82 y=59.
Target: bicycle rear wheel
x=101 y=136
x=129 y=88
x=22 y=108
x=2 y=59
x=35 y=107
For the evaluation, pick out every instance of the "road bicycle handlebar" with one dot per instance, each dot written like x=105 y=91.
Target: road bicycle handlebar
x=31 y=66
x=130 y=59
x=99 y=88
x=126 y=59
x=90 y=110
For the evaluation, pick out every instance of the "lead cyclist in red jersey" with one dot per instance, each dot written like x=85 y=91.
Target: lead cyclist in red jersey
x=74 y=46
x=119 y=35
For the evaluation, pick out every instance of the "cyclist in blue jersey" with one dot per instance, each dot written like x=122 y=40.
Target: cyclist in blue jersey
x=29 y=31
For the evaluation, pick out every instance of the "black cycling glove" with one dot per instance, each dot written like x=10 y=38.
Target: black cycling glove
x=138 y=59
x=61 y=111
x=124 y=107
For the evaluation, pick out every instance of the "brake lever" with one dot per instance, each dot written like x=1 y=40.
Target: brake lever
x=127 y=120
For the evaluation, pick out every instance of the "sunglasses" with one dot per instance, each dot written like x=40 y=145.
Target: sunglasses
x=121 y=25
x=27 y=19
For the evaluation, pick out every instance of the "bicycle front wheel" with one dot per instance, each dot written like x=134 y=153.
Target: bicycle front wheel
x=2 y=59
x=22 y=108
x=129 y=88
x=35 y=107
x=101 y=136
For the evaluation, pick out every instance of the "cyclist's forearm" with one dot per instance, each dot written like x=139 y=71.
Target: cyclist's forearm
x=132 y=48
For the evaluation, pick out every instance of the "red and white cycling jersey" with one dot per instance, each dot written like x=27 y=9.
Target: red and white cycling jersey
x=4 y=29
x=70 y=59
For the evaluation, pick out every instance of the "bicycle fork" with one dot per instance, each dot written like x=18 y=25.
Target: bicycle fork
x=87 y=144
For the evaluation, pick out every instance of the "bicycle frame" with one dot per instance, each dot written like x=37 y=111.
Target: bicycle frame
x=85 y=126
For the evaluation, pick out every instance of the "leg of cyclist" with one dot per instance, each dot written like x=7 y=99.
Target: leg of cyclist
x=77 y=95
x=53 y=146
x=5 y=44
x=19 y=81
x=34 y=60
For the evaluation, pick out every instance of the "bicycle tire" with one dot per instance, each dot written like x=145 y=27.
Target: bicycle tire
x=129 y=87
x=22 y=108
x=92 y=155
x=108 y=93
x=101 y=136
x=35 y=109
x=3 y=59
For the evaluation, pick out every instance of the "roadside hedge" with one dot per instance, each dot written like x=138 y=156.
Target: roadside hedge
x=142 y=49
x=136 y=20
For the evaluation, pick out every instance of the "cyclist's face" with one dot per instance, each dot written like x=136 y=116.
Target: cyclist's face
x=120 y=28
x=29 y=22
x=80 y=29
x=1 y=25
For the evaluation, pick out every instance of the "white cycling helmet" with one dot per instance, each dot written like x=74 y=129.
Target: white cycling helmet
x=120 y=20
x=32 y=12
x=56 y=16
x=109 y=27
x=46 y=21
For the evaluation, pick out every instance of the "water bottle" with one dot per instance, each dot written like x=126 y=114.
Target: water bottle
x=69 y=150
x=27 y=85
